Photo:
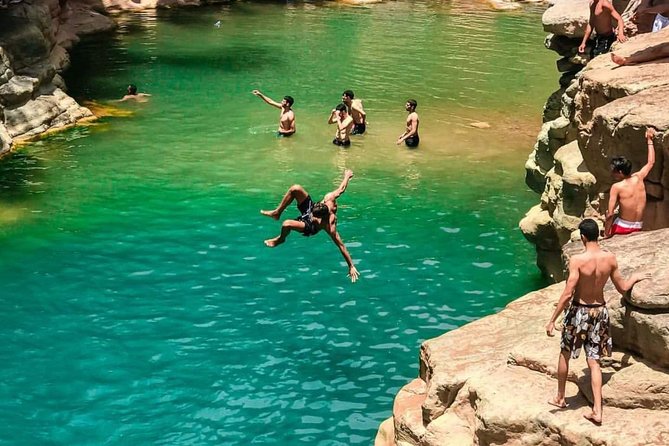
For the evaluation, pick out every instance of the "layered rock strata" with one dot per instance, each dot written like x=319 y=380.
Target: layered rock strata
x=35 y=37
x=599 y=112
x=488 y=382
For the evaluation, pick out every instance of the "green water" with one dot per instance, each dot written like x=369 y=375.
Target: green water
x=139 y=304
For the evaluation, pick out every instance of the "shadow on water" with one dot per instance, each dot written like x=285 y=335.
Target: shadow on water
x=18 y=174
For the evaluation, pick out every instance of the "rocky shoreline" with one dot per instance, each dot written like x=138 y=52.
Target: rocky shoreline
x=35 y=37
x=488 y=382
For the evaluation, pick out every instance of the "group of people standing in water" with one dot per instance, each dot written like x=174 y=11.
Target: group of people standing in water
x=349 y=117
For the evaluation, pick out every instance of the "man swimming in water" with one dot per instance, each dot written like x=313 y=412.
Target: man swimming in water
x=132 y=95
x=356 y=111
x=286 y=117
x=410 y=135
x=313 y=217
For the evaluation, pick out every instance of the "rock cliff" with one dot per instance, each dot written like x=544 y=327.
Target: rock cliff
x=488 y=382
x=35 y=36
x=599 y=112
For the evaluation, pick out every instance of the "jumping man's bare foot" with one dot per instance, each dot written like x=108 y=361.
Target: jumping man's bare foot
x=559 y=403
x=273 y=242
x=593 y=418
x=274 y=214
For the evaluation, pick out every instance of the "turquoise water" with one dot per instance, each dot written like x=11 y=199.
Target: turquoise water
x=139 y=304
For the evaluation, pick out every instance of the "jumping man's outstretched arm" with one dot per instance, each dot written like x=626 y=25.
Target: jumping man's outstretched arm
x=352 y=272
x=348 y=174
x=270 y=101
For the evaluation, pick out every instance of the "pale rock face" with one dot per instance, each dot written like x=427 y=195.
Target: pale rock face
x=604 y=112
x=488 y=382
x=567 y=18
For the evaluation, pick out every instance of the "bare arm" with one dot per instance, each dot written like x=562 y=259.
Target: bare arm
x=413 y=128
x=586 y=36
x=358 y=107
x=352 y=271
x=645 y=170
x=659 y=9
x=622 y=285
x=567 y=294
x=269 y=101
x=348 y=174
x=620 y=34
x=333 y=117
x=610 y=211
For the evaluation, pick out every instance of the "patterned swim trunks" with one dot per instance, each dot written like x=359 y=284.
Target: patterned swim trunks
x=587 y=327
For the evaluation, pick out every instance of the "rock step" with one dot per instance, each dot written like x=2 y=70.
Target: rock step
x=628 y=381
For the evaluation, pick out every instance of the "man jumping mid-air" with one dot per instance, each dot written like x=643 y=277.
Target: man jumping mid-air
x=313 y=217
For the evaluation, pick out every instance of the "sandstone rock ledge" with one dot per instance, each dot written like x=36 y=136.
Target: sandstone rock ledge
x=487 y=383
x=601 y=112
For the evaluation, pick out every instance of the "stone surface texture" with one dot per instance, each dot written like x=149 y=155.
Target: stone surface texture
x=599 y=112
x=35 y=37
x=487 y=383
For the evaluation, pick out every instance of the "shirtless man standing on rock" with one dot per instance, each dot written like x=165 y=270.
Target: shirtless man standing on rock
x=586 y=321
x=602 y=14
x=629 y=193
x=313 y=217
x=286 y=117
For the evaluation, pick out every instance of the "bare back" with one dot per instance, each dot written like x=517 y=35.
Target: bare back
x=594 y=269
x=631 y=196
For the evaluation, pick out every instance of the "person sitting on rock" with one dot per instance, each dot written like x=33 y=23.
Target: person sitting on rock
x=132 y=95
x=628 y=193
x=652 y=13
x=602 y=13
x=586 y=320
x=313 y=217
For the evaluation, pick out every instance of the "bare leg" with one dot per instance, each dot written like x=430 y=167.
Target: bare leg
x=563 y=370
x=659 y=51
x=295 y=192
x=596 y=382
x=286 y=227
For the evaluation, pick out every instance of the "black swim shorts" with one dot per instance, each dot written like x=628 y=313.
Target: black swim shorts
x=359 y=129
x=412 y=141
x=339 y=142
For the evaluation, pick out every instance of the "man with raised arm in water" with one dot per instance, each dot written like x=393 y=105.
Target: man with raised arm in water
x=602 y=14
x=586 y=321
x=313 y=217
x=410 y=135
x=286 y=116
x=629 y=193
x=356 y=111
